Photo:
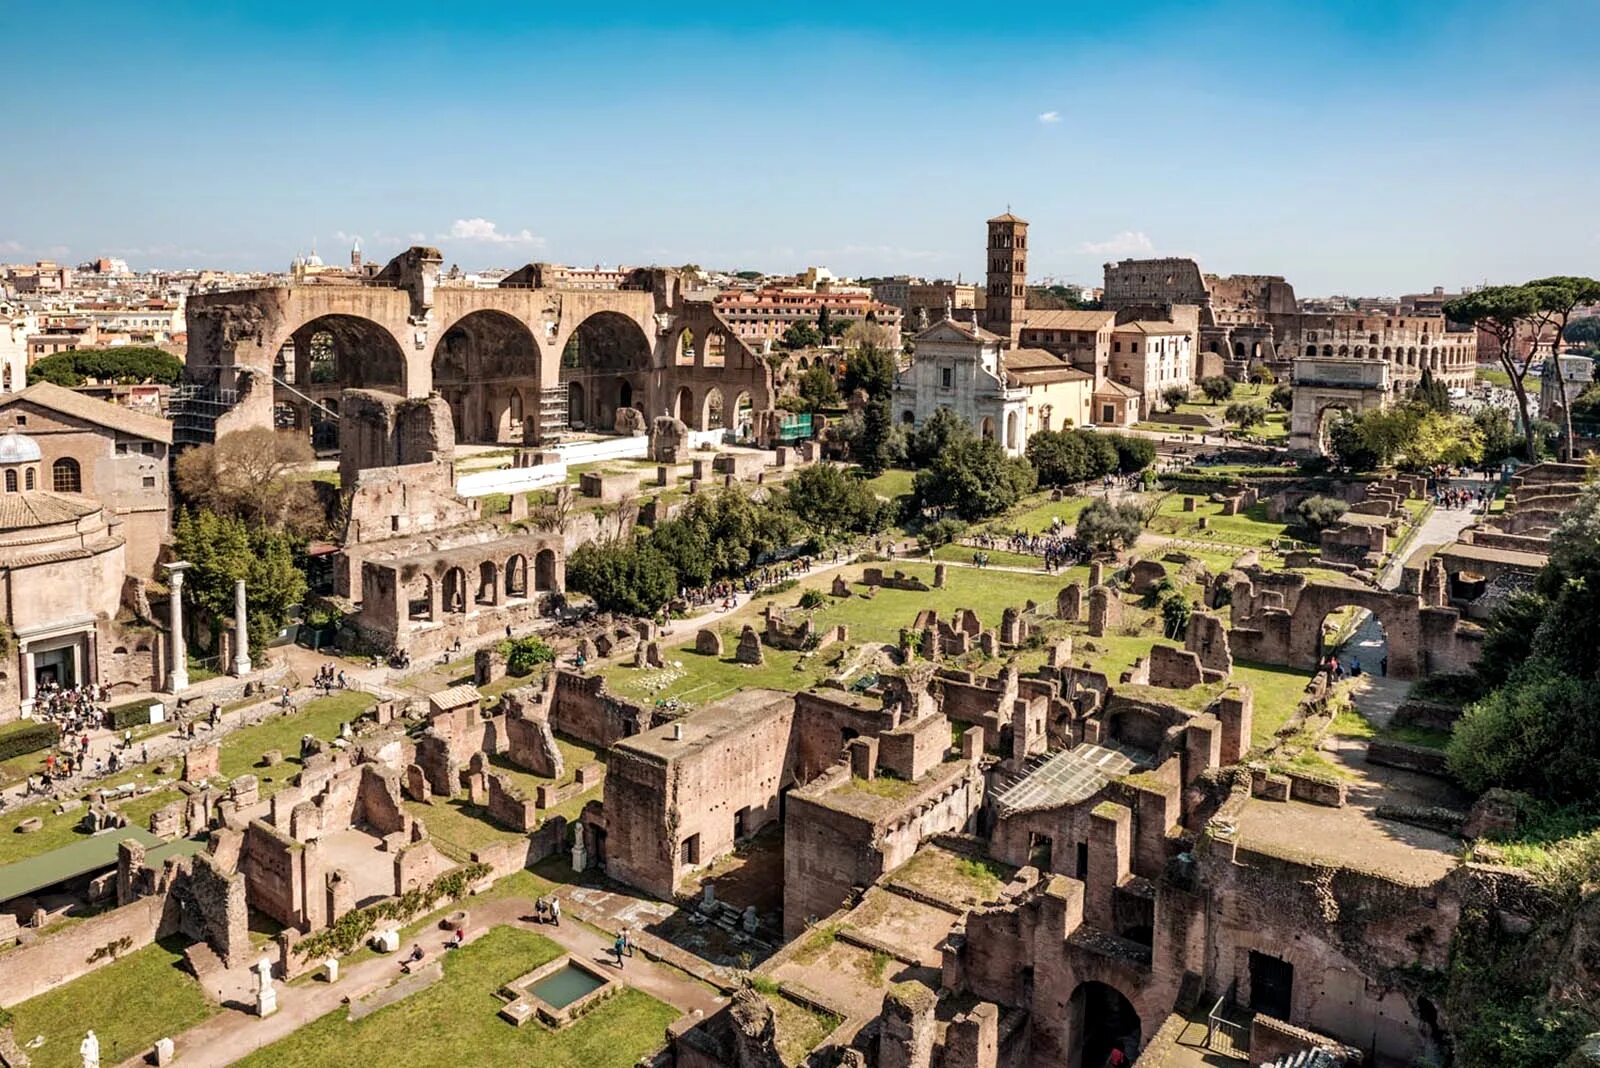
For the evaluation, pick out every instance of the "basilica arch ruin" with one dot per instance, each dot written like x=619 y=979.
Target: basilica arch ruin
x=520 y=362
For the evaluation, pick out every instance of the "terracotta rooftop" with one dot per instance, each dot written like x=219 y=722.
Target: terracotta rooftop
x=1150 y=326
x=1066 y=319
x=19 y=511
x=92 y=410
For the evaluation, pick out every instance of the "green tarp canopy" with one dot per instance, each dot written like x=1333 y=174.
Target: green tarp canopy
x=69 y=862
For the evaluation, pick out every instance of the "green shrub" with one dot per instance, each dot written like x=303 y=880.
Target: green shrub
x=812 y=599
x=1318 y=513
x=27 y=736
x=132 y=714
x=525 y=654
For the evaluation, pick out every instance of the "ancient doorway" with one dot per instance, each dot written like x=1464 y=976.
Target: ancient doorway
x=1102 y=1020
x=544 y=570
x=1271 y=985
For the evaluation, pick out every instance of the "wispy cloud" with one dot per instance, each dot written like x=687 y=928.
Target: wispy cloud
x=486 y=232
x=1123 y=244
x=1049 y=118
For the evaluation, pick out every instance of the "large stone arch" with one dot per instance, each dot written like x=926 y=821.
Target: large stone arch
x=487 y=365
x=1278 y=620
x=1322 y=385
x=609 y=357
x=362 y=352
x=1100 y=1017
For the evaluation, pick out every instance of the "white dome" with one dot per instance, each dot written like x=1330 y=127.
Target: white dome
x=17 y=449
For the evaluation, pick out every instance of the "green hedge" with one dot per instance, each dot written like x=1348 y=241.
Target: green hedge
x=132 y=714
x=28 y=736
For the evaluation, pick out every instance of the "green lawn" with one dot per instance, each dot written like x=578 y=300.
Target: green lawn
x=703 y=679
x=1249 y=528
x=1494 y=376
x=1275 y=691
x=962 y=554
x=1034 y=514
x=892 y=483
x=455 y=1021
x=129 y=1003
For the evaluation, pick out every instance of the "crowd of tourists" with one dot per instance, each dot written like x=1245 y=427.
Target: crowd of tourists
x=72 y=708
x=725 y=593
x=1057 y=546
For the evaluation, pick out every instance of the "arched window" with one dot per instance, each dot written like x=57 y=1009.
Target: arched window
x=66 y=476
x=11 y=481
x=27 y=479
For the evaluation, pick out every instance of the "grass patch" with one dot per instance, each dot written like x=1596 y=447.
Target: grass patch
x=895 y=482
x=817 y=941
x=129 y=1003
x=321 y=716
x=457 y=1016
x=800 y=1029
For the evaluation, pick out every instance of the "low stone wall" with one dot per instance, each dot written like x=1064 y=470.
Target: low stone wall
x=56 y=959
x=1420 y=758
x=1427 y=714
x=504 y=858
x=1316 y=790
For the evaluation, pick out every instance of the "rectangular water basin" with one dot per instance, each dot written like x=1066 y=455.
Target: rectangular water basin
x=557 y=993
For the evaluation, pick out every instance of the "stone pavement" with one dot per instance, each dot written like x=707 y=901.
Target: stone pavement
x=235 y=1032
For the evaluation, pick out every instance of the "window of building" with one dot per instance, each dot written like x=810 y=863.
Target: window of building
x=66 y=477
x=149 y=482
x=947 y=378
x=27 y=479
x=11 y=481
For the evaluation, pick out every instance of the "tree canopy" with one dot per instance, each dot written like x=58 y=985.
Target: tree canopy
x=222 y=549
x=252 y=474
x=974 y=478
x=126 y=364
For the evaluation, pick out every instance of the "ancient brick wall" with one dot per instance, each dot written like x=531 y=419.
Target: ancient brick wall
x=56 y=959
x=581 y=708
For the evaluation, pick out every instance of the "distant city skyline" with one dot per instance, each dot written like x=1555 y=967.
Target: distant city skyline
x=1351 y=149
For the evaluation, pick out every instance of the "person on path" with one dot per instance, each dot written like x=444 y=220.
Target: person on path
x=555 y=911
x=1383 y=666
x=618 y=947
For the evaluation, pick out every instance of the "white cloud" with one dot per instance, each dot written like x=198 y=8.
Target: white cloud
x=1126 y=243
x=1050 y=118
x=488 y=233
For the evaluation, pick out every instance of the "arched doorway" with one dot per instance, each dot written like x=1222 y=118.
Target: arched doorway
x=419 y=600
x=347 y=352
x=517 y=576
x=683 y=406
x=1326 y=418
x=488 y=584
x=608 y=359
x=712 y=415
x=986 y=428
x=455 y=590
x=544 y=571
x=1357 y=637
x=1102 y=1020
x=1013 y=432
x=481 y=366
x=743 y=415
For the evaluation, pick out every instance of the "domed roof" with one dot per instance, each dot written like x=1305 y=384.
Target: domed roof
x=17 y=449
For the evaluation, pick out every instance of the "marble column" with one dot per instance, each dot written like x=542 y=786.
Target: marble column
x=177 y=649
x=241 y=631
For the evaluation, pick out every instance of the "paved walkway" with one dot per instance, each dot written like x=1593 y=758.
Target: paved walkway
x=235 y=1033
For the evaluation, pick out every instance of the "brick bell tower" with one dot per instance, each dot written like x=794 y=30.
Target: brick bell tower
x=1007 y=291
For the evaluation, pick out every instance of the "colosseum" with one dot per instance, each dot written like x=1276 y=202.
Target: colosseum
x=1248 y=319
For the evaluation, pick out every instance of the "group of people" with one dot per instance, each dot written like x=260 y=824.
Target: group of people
x=1455 y=497
x=72 y=708
x=1336 y=670
x=330 y=677
x=1058 y=548
x=725 y=593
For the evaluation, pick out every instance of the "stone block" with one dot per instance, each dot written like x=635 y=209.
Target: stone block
x=749 y=650
x=202 y=762
x=708 y=642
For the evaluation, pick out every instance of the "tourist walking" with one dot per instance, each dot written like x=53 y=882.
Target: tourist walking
x=555 y=911
x=618 y=947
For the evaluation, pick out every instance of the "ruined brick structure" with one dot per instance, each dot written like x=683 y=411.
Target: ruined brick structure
x=1278 y=619
x=519 y=362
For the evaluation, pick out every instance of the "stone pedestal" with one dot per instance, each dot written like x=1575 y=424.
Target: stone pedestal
x=266 y=996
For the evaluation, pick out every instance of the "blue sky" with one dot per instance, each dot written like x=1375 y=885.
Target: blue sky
x=1353 y=147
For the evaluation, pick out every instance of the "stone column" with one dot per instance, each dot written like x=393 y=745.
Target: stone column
x=241 y=632
x=27 y=683
x=177 y=650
